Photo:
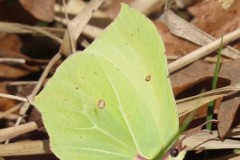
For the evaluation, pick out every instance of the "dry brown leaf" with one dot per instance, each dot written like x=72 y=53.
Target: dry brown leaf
x=190 y=76
x=40 y=9
x=174 y=45
x=230 y=104
x=199 y=72
x=203 y=51
x=13 y=50
x=15 y=13
x=185 y=30
x=227 y=112
x=5 y=103
x=219 y=21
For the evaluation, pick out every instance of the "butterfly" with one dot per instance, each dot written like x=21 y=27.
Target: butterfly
x=113 y=101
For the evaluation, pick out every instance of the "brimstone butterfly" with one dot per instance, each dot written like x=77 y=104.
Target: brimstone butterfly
x=112 y=101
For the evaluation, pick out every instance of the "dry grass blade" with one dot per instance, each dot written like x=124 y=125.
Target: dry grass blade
x=13 y=97
x=25 y=148
x=12 y=60
x=184 y=29
x=203 y=51
x=8 y=116
x=21 y=28
x=149 y=7
x=189 y=104
x=6 y=113
x=18 y=83
x=89 y=30
x=75 y=27
x=26 y=105
x=12 y=132
x=72 y=8
x=92 y=31
x=209 y=140
x=203 y=140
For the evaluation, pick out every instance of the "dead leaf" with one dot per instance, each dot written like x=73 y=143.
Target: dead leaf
x=199 y=72
x=190 y=76
x=15 y=13
x=185 y=30
x=5 y=103
x=40 y=9
x=174 y=45
x=219 y=21
x=13 y=50
x=6 y=49
x=230 y=104
x=227 y=112
x=203 y=51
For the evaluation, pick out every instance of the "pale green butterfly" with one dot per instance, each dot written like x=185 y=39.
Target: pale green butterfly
x=114 y=100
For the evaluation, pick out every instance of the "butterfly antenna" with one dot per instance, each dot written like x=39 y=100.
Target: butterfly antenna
x=198 y=129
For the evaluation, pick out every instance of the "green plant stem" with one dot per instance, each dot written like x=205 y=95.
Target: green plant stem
x=211 y=104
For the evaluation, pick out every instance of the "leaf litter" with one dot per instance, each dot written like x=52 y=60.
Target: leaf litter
x=210 y=20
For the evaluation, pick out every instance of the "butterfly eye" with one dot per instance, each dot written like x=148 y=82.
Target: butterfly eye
x=174 y=152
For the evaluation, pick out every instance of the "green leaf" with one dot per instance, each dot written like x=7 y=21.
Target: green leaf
x=113 y=100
